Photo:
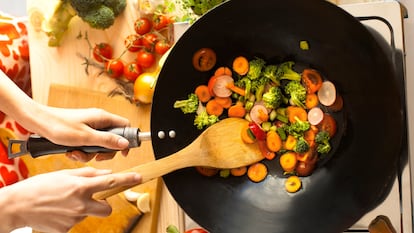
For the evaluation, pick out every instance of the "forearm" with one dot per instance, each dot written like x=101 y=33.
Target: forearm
x=16 y=104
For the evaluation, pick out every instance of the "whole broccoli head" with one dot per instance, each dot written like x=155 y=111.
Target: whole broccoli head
x=189 y=105
x=296 y=92
x=255 y=68
x=273 y=98
x=204 y=120
x=99 y=14
x=322 y=139
x=301 y=146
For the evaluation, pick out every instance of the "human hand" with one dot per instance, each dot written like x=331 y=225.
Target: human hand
x=54 y=202
x=78 y=127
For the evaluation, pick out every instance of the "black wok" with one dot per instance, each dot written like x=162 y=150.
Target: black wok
x=355 y=179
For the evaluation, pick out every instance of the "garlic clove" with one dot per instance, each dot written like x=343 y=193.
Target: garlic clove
x=143 y=203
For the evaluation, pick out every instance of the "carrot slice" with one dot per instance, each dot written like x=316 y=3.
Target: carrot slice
x=237 y=110
x=214 y=108
x=236 y=89
x=239 y=171
x=269 y=155
x=224 y=101
x=311 y=100
x=223 y=70
x=241 y=65
x=273 y=141
x=246 y=135
x=290 y=142
x=288 y=161
x=295 y=111
x=312 y=80
x=257 y=172
x=203 y=93
x=210 y=85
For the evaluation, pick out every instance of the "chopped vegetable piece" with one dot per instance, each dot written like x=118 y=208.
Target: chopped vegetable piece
x=293 y=184
x=257 y=131
x=294 y=113
x=224 y=173
x=296 y=92
x=220 y=87
x=204 y=59
x=189 y=105
x=312 y=80
x=311 y=100
x=315 y=115
x=306 y=168
x=269 y=155
x=203 y=93
x=273 y=141
x=237 y=110
x=288 y=161
x=223 y=70
x=257 y=172
x=259 y=114
x=246 y=134
x=207 y=171
x=210 y=85
x=203 y=119
x=214 y=108
x=337 y=105
x=327 y=93
x=328 y=124
x=303 y=44
x=290 y=142
x=241 y=65
x=239 y=171
x=224 y=101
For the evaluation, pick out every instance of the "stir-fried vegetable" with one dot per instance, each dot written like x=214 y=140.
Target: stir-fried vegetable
x=284 y=114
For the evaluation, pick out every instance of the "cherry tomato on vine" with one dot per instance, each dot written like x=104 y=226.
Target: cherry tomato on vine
x=161 y=47
x=149 y=40
x=114 y=68
x=133 y=42
x=160 y=21
x=131 y=71
x=145 y=58
x=102 y=52
x=142 y=25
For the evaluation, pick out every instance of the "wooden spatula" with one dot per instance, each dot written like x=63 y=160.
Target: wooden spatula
x=219 y=146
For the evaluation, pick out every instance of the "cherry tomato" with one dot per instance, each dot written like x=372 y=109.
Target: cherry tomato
x=133 y=42
x=161 y=47
x=160 y=21
x=145 y=58
x=304 y=168
x=149 y=40
x=142 y=25
x=204 y=59
x=102 y=52
x=131 y=71
x=114 y=68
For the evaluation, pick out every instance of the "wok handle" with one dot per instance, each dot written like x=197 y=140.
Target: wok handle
x=38 y=146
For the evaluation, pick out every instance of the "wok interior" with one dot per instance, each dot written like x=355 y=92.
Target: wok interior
x=360 y=172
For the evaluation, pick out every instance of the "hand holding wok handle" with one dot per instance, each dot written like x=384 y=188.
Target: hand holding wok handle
x=39 y=146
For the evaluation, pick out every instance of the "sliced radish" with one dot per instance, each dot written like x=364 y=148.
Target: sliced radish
x=220 y=87
x=259 y=114
x=327 y=93
x=315 y=116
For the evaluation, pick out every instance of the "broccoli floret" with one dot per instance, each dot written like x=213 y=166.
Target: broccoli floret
x=273 y=97
x=301 y=145
x=99 y=14
x=322 y=139
x=189 y=105
x=296 y=92
x=297 y=128
x=285 y=71
x=255 y=68
x=204 y=120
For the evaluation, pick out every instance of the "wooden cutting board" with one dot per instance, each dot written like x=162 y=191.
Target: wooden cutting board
x=124 y=213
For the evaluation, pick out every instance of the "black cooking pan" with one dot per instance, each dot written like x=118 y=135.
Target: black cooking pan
x=355 y=179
